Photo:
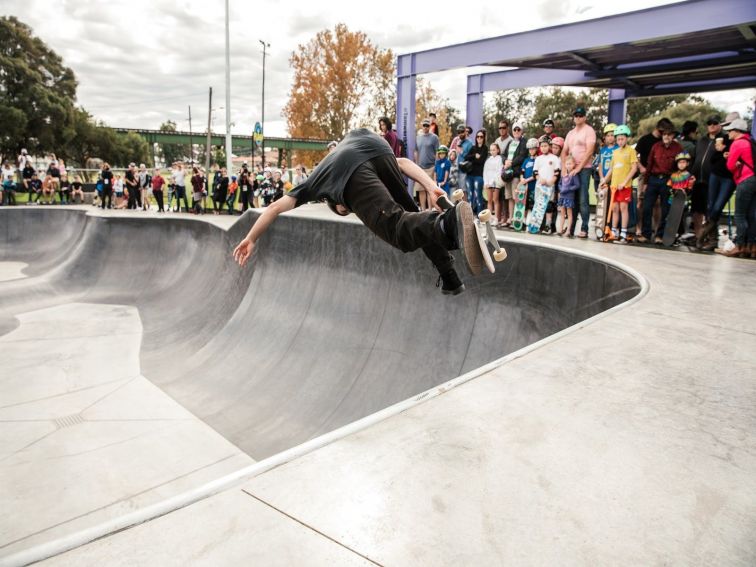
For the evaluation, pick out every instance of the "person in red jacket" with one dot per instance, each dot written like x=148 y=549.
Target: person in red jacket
x=740 y=161
x=660 y=165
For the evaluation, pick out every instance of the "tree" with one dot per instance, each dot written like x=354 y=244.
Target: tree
x=559 y=103
x=511 y=105
x=427 y=100
x=690 y=108
x=339 y=82
x=171 y=153
x=37 y=93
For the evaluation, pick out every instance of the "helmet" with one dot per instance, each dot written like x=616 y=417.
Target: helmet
x=622 y=130
x=548 y=122
x=532 y=144
x=260 y=177
x=545 y=139
x=233 y=178
x=558 y=142
x=610 y=128
x=442 y=150
x=682 y=155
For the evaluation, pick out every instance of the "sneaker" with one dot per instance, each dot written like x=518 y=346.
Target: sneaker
x=547 y=230
x=446 y=224
x=658 y=240
x=620 y=240
x=642 y=239
x=452 y=285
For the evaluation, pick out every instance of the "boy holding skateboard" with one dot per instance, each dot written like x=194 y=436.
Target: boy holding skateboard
x=363 y=176
x=546 y=170
x=622 y=169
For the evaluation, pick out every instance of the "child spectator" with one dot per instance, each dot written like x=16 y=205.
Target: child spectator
x=198 y=191
x=619 y=180
x=220 y=190
x=26 y=177
x=64 y=191
x=76 y=190
x=608 y=146
x=546 y=171
x=442 y=168
x=120 y=192
x=107 y=185
x=557 y=144
x=681 y=180
x=9 y=184
x=232 y=189
x=492 y=181
x=277 y=185
x=157 y=189
x=453 y=171
x=528 y=175
x=568 y=187
x=35 y=188
x=266 y=189
x=49 y=185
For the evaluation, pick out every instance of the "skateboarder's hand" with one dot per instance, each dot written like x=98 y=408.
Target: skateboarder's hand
x=433 y=196
x=243 y=251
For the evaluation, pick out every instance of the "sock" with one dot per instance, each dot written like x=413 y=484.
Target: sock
x=623 y=234
x=614 y=231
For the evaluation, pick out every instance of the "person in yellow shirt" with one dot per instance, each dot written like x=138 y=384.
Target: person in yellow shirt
x=619 y=179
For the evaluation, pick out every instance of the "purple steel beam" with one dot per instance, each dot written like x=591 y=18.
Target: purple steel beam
x=617 y=106
x=701 y=58
x=405 y=103
x=654 y=68
x=521 y=78
x=474 y=115
x=742 y=82
x=677 y=19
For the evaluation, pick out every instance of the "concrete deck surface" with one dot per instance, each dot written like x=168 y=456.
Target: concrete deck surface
x=629 y=441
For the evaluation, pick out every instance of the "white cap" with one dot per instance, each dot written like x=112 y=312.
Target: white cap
x=517 y=125
x=737 y=124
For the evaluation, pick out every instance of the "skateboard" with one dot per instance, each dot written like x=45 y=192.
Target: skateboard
x=602 y=210
x=673 y=218
x=475 y=238
x=521 y=198
x=535 y=218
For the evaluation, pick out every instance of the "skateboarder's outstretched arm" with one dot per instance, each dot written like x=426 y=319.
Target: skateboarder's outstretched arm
x=415 y=172
x=244 y=249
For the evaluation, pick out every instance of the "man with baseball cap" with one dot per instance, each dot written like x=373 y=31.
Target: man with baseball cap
x=580 y=143
x=426 y=146
x=548 y=129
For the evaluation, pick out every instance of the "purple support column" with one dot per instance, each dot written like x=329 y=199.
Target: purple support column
x=405 y=103
x=617 y=106
x=474 y=117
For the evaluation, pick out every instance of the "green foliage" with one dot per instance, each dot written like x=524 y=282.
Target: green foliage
x=694 y=108
x=37 y=92
x=511 y=105
x=172 y=152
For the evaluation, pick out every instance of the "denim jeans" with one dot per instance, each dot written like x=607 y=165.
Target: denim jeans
x=720 y=191
x=582 y=203
x=474 y=186
x=745 y=212
x=656 y=188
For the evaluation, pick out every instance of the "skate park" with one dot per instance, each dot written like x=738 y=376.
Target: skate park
x=327 y=406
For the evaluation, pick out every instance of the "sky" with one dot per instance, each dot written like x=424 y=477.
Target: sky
x=142 y=62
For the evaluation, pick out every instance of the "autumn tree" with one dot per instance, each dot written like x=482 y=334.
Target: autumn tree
x=341 y=81
x=428 y=100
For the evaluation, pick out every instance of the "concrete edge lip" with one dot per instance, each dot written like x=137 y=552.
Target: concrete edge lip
x=72 y=541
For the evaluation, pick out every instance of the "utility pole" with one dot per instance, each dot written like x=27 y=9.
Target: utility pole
x=209 y=116
x=191 y=146
x=228 y=98
x=262 y=146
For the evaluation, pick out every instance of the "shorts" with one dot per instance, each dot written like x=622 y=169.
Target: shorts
x=510 y=188
x=566 y=202
x=430 y=172
x=624 y=195
x=698 y=197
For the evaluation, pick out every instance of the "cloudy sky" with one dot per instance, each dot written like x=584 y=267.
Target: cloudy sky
x=141 y=62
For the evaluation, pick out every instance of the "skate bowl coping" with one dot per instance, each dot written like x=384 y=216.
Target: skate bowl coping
x=326 y=325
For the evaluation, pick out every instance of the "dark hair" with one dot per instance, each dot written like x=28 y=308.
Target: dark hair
x=481 y=131
x=387 y=121
x=433 y=114
x=665 y=125
x=469 y=129
x=689 y=127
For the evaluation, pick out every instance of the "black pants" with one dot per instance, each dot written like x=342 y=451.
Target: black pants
x=378 y=195
x=107 y=195
x=244 y=199
x=219 y=198
x=181 y=194
x=135 y=198
x=158 y=193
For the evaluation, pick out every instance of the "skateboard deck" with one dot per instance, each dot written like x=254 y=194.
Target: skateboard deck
x=602 y=210
x=472 y=241
x=673 y=218
x=541 y=201
x=518 y=217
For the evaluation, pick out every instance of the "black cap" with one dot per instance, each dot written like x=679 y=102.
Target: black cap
x=548 y=122
x=461 y=128
x=714 y=119
x=579 y=111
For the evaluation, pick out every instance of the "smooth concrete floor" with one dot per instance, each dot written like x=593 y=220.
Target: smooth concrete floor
x=629 y=441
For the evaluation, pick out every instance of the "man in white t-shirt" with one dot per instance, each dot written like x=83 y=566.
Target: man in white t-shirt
x=545 y=169
x=504 y=138
x=22 y=159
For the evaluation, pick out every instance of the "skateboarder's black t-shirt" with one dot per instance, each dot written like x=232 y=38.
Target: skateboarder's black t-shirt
x=329 y=179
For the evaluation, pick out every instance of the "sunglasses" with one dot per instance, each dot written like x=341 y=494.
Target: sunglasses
x=518 y=129
x=712 y=123
x=481 y=137
x=503 y=127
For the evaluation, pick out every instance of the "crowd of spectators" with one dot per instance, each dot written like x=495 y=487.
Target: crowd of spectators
x=640 y=179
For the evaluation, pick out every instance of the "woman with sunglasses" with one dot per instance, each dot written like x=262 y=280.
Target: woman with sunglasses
x=477 y=156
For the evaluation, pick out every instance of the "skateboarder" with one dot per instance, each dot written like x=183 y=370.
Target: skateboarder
x=363 y=176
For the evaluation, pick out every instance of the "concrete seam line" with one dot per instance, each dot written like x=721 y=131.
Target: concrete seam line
x=126 y=521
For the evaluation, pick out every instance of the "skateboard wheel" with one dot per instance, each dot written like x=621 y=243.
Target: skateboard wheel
x=458 y=195
x=500 y=255
x=484 y=215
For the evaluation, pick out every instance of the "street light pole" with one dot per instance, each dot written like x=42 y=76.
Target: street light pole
x=191 y=146
x=228 y=98
x=262 y=146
